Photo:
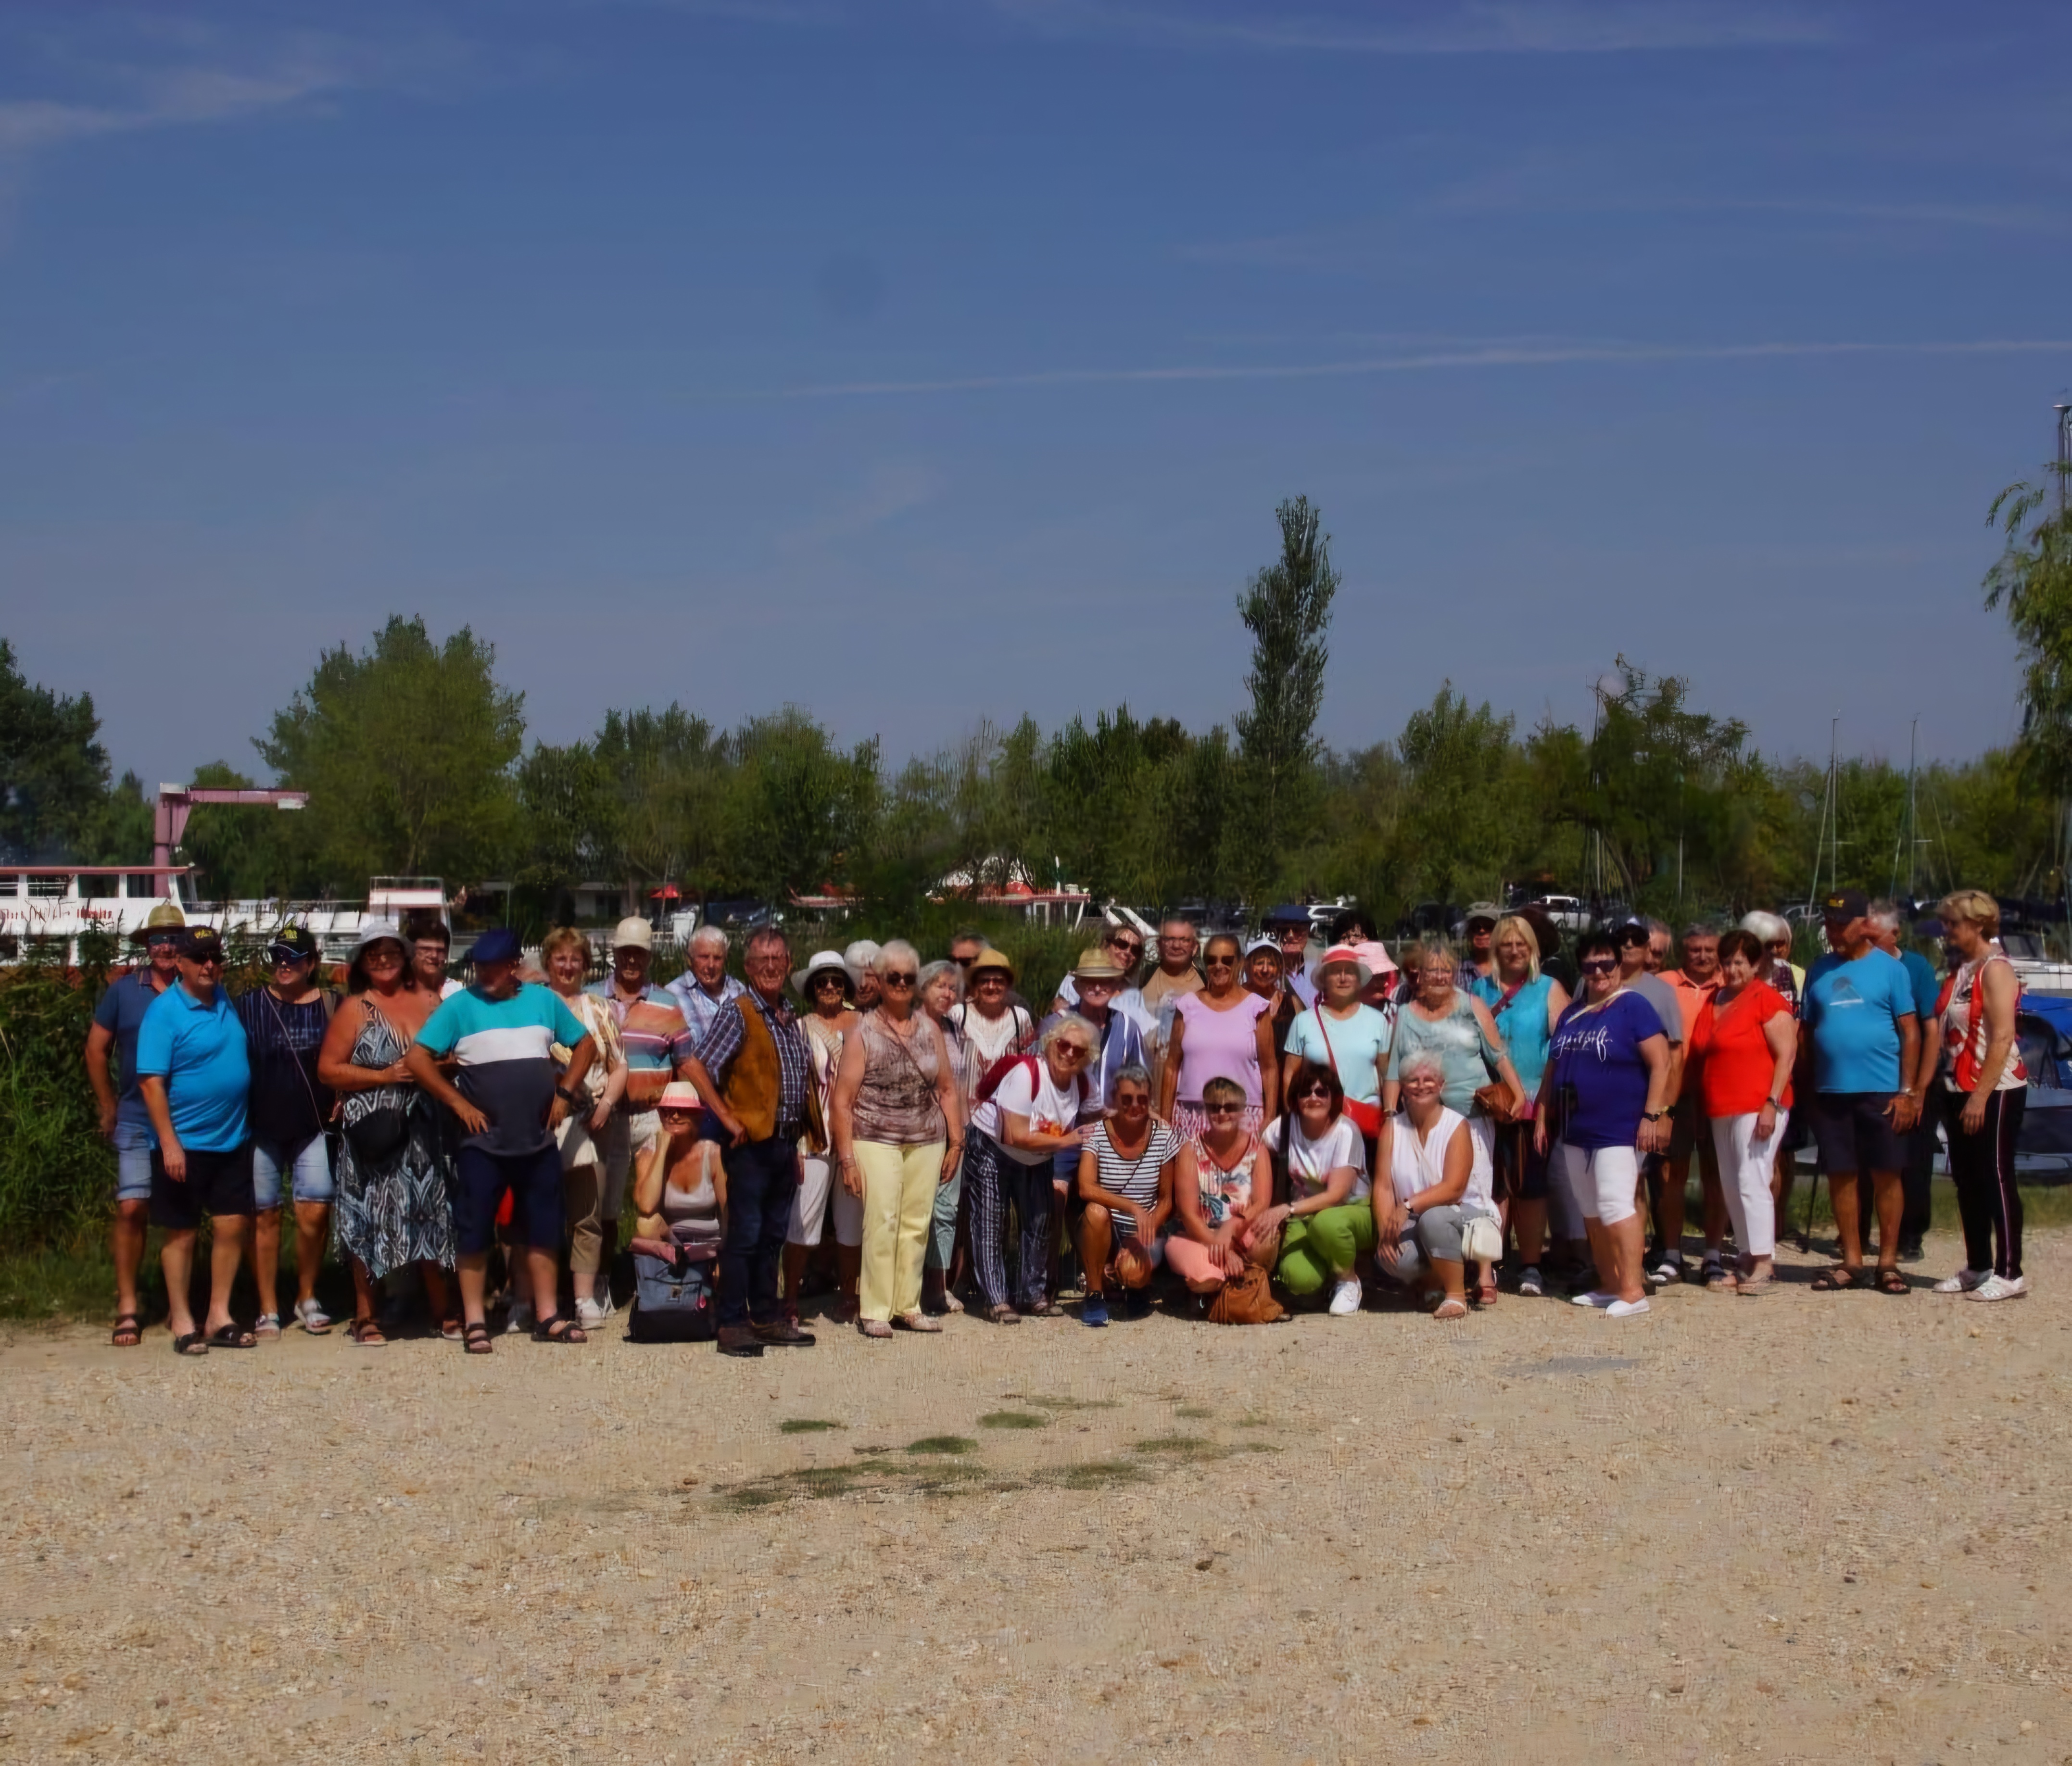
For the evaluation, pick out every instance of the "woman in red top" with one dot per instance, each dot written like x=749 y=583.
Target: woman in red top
x=1743 y=1045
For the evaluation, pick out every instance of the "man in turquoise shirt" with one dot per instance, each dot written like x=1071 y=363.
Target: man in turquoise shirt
x=1917 y=1174
x=193 y=1073
x=1859 y=1016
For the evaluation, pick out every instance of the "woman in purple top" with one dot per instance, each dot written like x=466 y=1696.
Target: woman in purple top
x=1607 y=1073
x=1223 y=1032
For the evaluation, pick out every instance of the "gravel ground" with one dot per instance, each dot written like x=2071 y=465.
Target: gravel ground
x=1803 y=1527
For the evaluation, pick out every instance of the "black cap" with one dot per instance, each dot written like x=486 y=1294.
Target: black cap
x=297 y=942
x=1626 y=929
x=199 y=942
x=1846 y=905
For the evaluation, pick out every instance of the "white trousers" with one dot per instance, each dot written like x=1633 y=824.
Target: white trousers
x=1601 y=1181
x=1745 y=1173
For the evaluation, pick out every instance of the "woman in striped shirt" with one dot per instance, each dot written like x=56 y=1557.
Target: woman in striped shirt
x=1124 y=1197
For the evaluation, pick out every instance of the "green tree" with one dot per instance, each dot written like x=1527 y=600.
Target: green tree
x=53 y=769
x=799 y=809
x=2032 y=579
x=1459 y=825
x=1288 y=611
x=242 y=854
x=566 y=814
x=406 y=750
x=667 y=780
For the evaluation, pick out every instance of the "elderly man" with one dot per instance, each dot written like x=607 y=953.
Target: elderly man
x=754 y=1071
x=1123 y=949
x=509 y=1100
x=1917 y=1175
x=1692 y=985
x=196 y=1075
x=1859 y=1015
x=1479 y=962
x=705 y=989
x=656 y=1041
x=1288 y=926
x=124 y=1122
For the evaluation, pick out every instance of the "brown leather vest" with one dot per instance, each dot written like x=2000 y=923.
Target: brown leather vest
x=754 y=1081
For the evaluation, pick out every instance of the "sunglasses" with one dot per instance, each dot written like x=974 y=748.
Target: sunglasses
x=1223 y=1110
x=1291 y=934
x=821 y=981
x=1079 y=1051
x=1599 y=966
x=1127 y=947
x=1314 y=1094
x=1219 y=963
x=899 y=981
x=284 y=959
x=211 y=959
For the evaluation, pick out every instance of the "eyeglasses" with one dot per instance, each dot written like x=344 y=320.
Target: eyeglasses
x=1600 y=966
x=1292 y=934
x=899 y=981
x=989 y=978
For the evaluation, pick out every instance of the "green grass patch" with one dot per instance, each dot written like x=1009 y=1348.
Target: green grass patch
x=808 y=1425
x=1183 y=1447
x=943 y=1444
x=1193 y=1412
x=1044 y=1402
x=1093 y=1475
x=1013 y=1420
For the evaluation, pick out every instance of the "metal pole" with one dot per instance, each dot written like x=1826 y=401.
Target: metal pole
x=2064 y=450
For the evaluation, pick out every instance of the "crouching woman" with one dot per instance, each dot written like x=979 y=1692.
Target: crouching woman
x=1435 y=1190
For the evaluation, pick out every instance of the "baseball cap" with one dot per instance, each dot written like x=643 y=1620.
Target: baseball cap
x=201 y=944
x=1846 y=905
x=498 y=944
x=297 y=944
x=636 y=931
x=1288 y=913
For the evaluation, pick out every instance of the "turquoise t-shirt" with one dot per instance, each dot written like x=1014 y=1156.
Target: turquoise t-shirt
x=1522 y=1025
x=1359 y=1041
x=1852 y=1010
x=197 y=1047
x=507 y=1065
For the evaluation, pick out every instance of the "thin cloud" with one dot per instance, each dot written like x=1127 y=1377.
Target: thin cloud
x=183 y=95
x=1493 y=356
x=1466 y=27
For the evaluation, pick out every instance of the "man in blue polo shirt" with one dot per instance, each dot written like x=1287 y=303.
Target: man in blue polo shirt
x=1858 y=1011
x=510 y=1100
x=124 y=1123
x=195 y=1076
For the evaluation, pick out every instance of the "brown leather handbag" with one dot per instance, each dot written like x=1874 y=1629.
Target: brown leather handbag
x=1247 y=1300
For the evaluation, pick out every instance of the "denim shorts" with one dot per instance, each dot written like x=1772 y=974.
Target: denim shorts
x=133 y=1162
x=307 y=1165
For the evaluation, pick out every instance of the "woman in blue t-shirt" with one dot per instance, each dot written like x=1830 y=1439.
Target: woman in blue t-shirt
x=1607 y=1075
x=1526 y=1004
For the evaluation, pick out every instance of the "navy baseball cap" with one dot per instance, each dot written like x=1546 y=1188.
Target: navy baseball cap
x=295 y=943
x=1846 y=905
x=498 y=944
x=1288 y=913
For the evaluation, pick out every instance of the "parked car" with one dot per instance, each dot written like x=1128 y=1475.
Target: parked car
x=1567 y=912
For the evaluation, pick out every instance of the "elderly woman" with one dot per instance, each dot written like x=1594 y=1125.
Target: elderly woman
x=1222 y=1182
x=942 y=990
x=898 y=1132
x=826 y=986
x=1607 y=1086
x=1266 y=975
x=1326 y=1225
x=1442 y=1018
x=1773 y=932
x=1986 y=1088
x=1525 y=1005
x=1343 y=1034
x=395 y=1181
x=1221 y=1031
x=564 y=954
x=1124 y=1198
x=1437 y=1184
x=1019 y=1123
x=1743 y=1043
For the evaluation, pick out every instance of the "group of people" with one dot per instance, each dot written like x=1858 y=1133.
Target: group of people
x=1267 y=1128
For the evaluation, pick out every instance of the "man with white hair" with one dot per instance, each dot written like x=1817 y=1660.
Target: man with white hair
x=705 y=989
x=1917 y=1174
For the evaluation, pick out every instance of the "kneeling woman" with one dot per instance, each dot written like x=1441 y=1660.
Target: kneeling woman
x=679 y=1186
x=1124 y=1197
x=1222 y=1182
x=1327 y=1223
x=1439 y=1180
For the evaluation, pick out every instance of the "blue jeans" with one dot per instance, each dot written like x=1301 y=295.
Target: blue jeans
x=133 y=1162
x=306 y=1163
x=762 y=1178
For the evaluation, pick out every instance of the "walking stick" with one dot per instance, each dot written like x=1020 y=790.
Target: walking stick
x=1812 y=1196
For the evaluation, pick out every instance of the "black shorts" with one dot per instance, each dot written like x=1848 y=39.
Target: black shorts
x=1853 y=1132
x=217 y=1184
x=534 y=1180
x=1521 y=1173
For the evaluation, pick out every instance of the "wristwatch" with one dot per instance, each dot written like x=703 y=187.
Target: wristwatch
x=1653 y=1115
x=571 y=1098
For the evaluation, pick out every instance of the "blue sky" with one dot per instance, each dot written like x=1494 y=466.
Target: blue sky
x=919 y=362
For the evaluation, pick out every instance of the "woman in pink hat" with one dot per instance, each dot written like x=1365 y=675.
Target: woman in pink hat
x=1345 y=1035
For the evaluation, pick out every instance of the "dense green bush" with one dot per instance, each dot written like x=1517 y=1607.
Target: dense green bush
x=56 y=1172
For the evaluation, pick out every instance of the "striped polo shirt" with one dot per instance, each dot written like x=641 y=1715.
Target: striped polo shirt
x=507 y=1065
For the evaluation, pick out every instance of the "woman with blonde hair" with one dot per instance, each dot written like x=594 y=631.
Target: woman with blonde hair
x=564 y=954
x=1525 y=1005
x=1987 y=1088
x=898 y=1133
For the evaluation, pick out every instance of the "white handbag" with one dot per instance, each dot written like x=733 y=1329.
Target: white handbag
x=1481 y=1240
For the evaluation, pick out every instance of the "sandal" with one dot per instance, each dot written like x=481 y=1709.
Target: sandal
x=1485 y=1294
x=873 y=1328
x=1714 y=1272
x=1045 y=1307
x=1890 y=1281
x=266 y=1324
x=475 y=1339
x=916 y=1321
x=453 y=1330
x=557 y=1330
x=229 y=1337
x=128 y=1331
x=1754 y=1287
x=1002 y=1314
x=314 y=1319
x=367 y=1333
x=194 y=1343
x=1450 y=1308
x=1838 y=1280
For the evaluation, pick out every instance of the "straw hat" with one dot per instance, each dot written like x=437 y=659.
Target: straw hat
x=990 y=958
x=165 y=917
x=1095 y=964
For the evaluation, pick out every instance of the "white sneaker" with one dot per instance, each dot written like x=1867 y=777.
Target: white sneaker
x=1962 y=1282
x=1346 y=1297
x=2000 y=1288
x=519 y=1323
x=1597 y=1297
x=589 y=1314
x=1620 y=1309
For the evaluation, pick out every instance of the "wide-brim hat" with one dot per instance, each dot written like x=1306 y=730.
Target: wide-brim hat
x=1095 y=964
x=1340 y=953
x=1374 y=954
x=822 y=963
x=1481 y=910
x=165 y=917
x=373 y=932
x=680 y=1094
x=990 y=958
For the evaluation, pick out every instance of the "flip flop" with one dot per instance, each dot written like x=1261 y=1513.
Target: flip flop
x=193 y=1343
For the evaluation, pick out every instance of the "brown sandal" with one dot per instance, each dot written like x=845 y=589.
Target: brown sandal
x=366 y=1333
x=129 y=1331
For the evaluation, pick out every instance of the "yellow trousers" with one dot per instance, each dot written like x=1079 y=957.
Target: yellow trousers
x=898 y=1202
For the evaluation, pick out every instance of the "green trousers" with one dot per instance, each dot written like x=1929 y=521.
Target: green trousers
x=1320 y=1247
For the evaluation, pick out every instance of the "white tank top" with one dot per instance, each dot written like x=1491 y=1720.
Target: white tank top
x=1412 y=1166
